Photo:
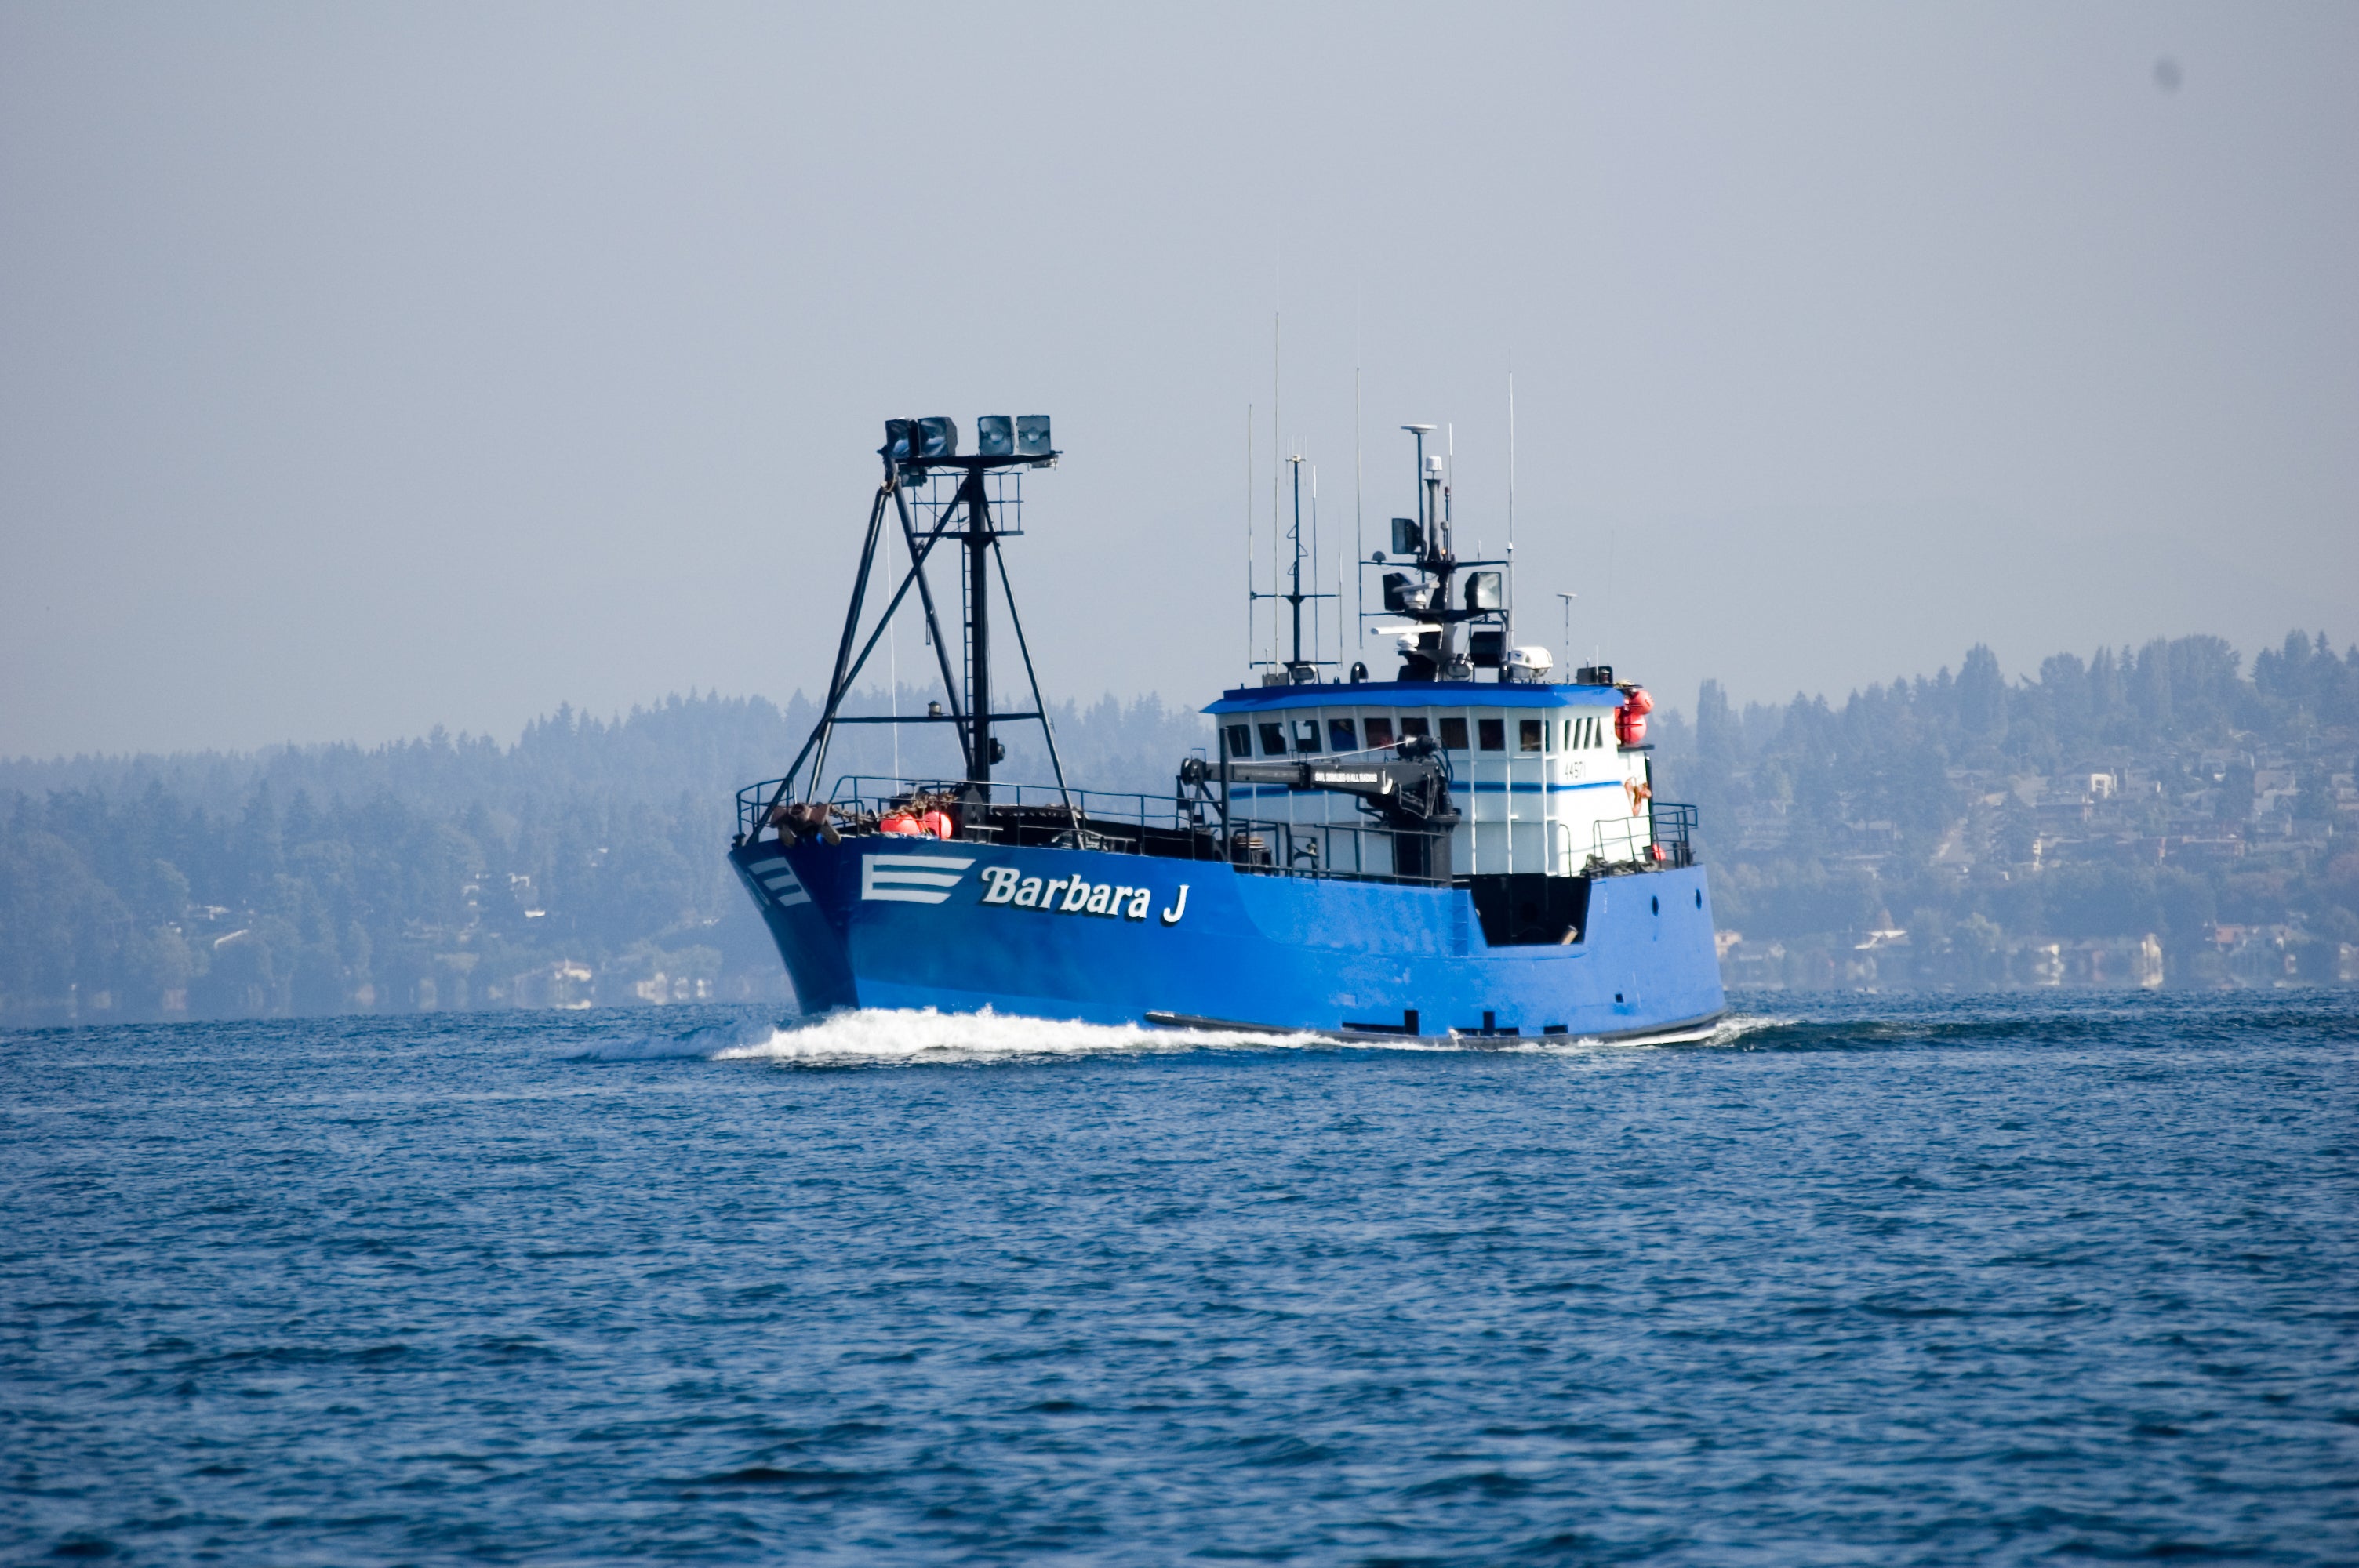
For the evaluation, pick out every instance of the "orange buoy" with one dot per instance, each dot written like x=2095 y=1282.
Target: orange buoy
x=936 y=822
x=898 y=822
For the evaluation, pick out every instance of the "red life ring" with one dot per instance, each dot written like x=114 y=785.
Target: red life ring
x=1630 y=718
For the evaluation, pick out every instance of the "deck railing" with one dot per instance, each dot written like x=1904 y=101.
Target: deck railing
x=1176 y=828
x=1664 y=838
x=860 y=799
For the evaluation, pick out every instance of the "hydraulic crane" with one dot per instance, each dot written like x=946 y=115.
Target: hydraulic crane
x=1409 y=793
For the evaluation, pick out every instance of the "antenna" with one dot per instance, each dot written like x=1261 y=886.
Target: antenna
x=1359 y=543
x=1568 y=599
x=1249 y=538
x=1294 y=460
x=1449 y=480
x=1300 y=668
x=1613 y=585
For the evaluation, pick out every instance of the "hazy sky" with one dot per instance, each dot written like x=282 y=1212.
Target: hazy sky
x=368 y=368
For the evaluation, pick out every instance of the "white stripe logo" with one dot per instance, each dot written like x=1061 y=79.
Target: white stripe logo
x=779 y=878
x=911 y=879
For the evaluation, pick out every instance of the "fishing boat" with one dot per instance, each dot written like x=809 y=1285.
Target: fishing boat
x=1470 y=847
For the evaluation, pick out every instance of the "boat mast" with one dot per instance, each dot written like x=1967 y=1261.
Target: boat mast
x=914 y=450
x=978 y=537
x=1297 y=668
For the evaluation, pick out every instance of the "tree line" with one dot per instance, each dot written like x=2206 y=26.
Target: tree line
x=581 y=862
x=1959 y=807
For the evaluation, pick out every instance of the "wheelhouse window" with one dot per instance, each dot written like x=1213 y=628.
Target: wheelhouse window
x=1305 y=735
x=1273 y=739
x=1414 y=729
x=1527 y=734
x=1493 y=733
x=1454 y=734
x=1380 y=732
x=1240 y=739
x=1340 y=737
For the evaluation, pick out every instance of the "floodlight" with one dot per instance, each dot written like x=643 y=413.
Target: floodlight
x=937 y=438
x=1407 y=537
x=995 y=436
x=1032 y=436
x=1485 y=590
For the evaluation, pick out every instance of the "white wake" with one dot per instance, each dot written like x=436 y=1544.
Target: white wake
x=925 y=1036
x=882 y=1035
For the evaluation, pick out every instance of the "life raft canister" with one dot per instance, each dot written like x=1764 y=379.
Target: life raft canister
x=1630 y=718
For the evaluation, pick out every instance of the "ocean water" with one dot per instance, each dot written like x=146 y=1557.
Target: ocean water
x=1868 y=1279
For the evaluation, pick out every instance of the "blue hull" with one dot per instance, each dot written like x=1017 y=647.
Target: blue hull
x=880 y=922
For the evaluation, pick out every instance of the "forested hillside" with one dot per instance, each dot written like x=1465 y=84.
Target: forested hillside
x=2137 y=817
x=580 y=864
x=2155 y=817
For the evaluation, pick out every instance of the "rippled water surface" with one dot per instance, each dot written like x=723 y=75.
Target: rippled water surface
x=1874 y=1280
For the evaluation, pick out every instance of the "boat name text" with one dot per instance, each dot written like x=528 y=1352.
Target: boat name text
x=1075 y=895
